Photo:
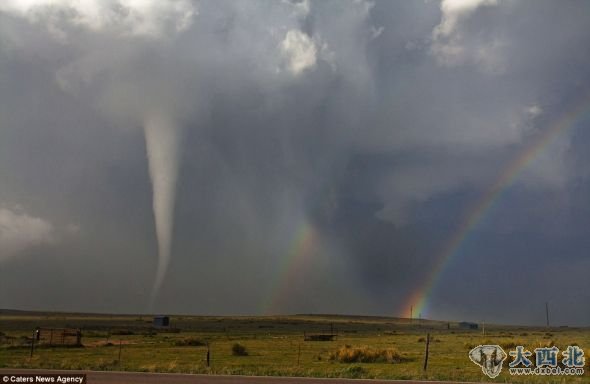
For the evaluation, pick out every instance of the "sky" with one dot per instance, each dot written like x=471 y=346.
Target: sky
x=278 y=157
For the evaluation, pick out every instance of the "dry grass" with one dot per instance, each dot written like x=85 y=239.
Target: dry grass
x=544 y=344
x=276 y=347
x=348 y=354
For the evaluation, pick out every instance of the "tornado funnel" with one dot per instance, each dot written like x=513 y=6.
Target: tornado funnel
x=162 y=139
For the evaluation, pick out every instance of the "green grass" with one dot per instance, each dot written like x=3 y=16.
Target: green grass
x=366 y=347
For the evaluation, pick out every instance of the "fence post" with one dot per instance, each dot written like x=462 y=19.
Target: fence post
x=120 y=346
x=298 y=353
x=426 y=353
x=33 y=342
x=208 y=354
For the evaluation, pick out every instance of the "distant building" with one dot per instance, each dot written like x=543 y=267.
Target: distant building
x=468 y=325
x=161 y=321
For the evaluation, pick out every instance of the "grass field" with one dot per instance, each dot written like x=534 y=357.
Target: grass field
x=365 y=347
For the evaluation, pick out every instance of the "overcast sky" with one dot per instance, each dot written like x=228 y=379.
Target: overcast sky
x=252 y=157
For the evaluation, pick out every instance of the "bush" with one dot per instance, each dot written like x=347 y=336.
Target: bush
x=189 y=342
x=510 y=345
x=354 y=372
x=469 y=345
x=432 y=340
x=349 y=354
x=238 y=350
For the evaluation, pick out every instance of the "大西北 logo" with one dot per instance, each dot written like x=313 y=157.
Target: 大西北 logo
x=489 y=358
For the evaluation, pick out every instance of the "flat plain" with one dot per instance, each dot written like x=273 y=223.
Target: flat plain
x=364 y=347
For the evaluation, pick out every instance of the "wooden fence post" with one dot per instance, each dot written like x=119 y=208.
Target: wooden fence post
x=426 y=353
x=120 y=346
x=208 y=354
x=33 y=342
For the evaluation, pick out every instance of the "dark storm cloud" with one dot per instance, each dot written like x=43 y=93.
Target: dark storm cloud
x=377 y=124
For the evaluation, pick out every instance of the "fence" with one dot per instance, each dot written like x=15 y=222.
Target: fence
x=58 y=336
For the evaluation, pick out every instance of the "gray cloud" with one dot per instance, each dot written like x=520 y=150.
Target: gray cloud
x=377 y=124
x=19 y=231
x=122 y=17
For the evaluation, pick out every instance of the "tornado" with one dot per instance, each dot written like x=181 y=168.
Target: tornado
x=162 y=138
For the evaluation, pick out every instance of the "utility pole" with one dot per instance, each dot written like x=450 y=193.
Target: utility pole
x=411 y=313
x=547 y=312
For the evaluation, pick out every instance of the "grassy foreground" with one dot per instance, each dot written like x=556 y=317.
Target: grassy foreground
x=365 y=347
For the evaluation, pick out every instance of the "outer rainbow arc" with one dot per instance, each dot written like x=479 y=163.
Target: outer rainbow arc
x=472 y=217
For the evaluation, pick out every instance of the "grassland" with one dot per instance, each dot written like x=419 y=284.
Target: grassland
x=389 y=348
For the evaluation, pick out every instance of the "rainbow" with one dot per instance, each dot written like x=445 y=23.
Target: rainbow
x=293 y=266
x=419 y=299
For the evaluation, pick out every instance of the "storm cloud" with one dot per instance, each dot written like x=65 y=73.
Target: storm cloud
x=174 y=152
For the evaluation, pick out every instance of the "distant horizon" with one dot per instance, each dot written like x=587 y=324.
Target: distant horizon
x=326 y=315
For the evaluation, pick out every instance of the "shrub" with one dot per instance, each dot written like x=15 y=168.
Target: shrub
x=432 y=340
x=189 y=342
x=348 y=354
x=238 y=350
x=469 y=345
x=354 y=372
x=510 y=345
